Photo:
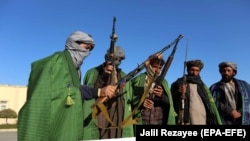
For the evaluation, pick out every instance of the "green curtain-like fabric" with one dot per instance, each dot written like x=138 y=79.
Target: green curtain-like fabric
x=45 y=116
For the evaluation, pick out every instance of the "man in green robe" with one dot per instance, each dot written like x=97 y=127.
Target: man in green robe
x=53 y=109
x=118 y=108
x=157 y=108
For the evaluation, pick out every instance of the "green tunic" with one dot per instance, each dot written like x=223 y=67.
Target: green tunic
x=89 y=123
x=138 y=87
x=45 y=116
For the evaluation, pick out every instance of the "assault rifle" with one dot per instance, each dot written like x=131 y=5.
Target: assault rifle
x=111 y=55
x=133 y=73
x=183 y=97
x=160 y=78
x=166 y=66
x=139 y=68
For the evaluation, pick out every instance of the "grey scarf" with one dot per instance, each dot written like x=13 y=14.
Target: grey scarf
x=78 y=53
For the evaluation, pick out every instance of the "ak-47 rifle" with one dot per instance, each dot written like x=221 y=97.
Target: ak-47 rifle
x=146 y=63
x=112 y=78
x=139 y=68
x=183 y=96
x=111 y=55
x=166 y=66
x=164 y=71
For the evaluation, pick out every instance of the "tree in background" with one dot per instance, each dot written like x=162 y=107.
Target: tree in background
x=8 y=113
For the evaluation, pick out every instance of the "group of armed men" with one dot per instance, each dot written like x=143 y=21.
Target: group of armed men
x=64 y=105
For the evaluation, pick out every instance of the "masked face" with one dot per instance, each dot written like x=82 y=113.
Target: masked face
x=118 y=55
x=118 y=61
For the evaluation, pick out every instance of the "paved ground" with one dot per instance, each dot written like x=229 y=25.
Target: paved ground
x=11 y=135
x=8 y=135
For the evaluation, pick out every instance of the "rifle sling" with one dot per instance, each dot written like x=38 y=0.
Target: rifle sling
x=100 y=107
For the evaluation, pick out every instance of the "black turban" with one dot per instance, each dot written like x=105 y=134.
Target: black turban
x=196 y=63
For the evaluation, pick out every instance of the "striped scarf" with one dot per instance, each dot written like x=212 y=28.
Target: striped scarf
x=244 y=89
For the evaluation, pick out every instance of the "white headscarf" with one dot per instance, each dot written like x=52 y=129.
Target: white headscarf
x=78 y=53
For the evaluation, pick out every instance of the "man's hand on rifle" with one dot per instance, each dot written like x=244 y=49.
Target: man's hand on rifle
x=149 y=104
x=157 y=91
x=108 y=67
x=182 y=89
x=159 y=55
x=108 y=91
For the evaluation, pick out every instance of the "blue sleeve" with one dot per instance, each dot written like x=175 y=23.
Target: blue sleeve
x=88 y=92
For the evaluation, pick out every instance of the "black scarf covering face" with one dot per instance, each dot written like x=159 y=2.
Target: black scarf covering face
x=211 y=119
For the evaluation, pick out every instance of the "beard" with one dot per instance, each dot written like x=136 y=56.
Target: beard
x=226 y=78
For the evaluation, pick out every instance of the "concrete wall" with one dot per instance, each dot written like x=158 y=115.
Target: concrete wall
x=15 y=96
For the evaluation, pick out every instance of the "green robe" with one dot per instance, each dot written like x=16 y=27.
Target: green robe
x=45 y=116
x=138 y=88
x=89 y=123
